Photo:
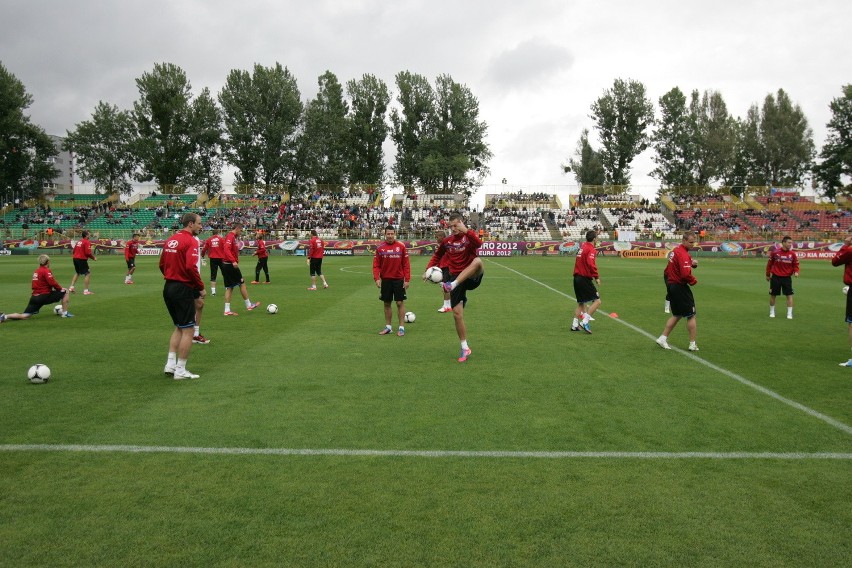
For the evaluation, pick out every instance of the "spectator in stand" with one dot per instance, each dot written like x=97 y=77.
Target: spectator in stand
x=81 y=256
x=316 y=252
x=783 y=264
x=262 y=257
x=46 y=290
x=213 y=248
x=680 y=279
x=183 y=287
x=131 y=249
x=843 y=257
x=392 y=274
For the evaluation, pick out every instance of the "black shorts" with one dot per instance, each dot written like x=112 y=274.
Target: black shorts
x=81 y=267
x=37 y=302
x=131 y=263
x=316 y=267
x=849 y=307
x=232 y=275
x=682 y=301
x=392 y=290
x=215 y=265
x=584 y=289
x=180 y=301
x=446 y=272
x=780 y=284
x=459 y=293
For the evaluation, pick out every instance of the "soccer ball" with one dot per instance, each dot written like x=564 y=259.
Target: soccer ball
x=57 y=309
x=38 y=374
x=272 y=309
x=409 y=317
x=846 y=289
x=434 y=274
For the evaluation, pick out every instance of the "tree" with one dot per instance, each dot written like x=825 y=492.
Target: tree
x=369 y=99
x=105 y=148
x=454 y=154
x=162 y=114
x=713 y=137
x=674 y=142
x=205 y=171
x=787 y=141
x=587 y=167
x=262 y=114
x=411 y=125
x=25 y=149
x=836 y=154
x=622 y=116
x=324 y=144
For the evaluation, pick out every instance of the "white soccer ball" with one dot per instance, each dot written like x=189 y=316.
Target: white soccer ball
x=409 y=317
x=38 y=374
x=272 y=309
x=846 y=289
x=434 y=274
x=57 y=309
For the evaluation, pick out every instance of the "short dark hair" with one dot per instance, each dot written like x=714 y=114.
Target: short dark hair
x=786 y=238
x=455 y=216
x=314 y=232
x=390 y=228
x=84 y=234
x=590 y=236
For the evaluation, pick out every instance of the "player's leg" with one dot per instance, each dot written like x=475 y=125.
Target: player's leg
x=692 y=330
x=321 y=275
x=87 y=279
x=257 y=267
x=663 y=340
x=471 y=271
x=197 y=337
x=17 y=316
x=461 y=331
x=400 y=316
x=388 y=318
x=266 y=269
x=579 y=312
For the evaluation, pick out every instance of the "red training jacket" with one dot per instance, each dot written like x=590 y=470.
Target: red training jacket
x=460 y=250
x=83 y=250
x=391 y=262
x=213 y=247
x=44 y=282
x=131 y=249
x=230 y=252
x=316 y=248
x=179 y=259
x=782 y=263
x=585 y=263
x=261 y=249
x=844 y=256
x=679 y=269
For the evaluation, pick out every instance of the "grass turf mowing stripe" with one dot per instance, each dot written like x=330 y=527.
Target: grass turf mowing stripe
x=761 y=389
x=426 y=453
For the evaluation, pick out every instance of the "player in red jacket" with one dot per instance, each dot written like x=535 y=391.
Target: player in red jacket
x=392 y=274
x=466 y=272
x=131 y=249
x=262 y=257
x=680 y=279
x=843 y=258
x=213 y=250
x=231 y=272
x=440 y=235
x=46 y=290
x=81 y=256
x=783 y=264
x=316 y=251
x=585 y=278
x=183 y=287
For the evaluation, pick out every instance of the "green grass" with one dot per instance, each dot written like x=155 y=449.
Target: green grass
x=317 y=376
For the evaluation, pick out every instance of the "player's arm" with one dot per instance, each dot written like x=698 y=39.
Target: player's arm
x=406 y=270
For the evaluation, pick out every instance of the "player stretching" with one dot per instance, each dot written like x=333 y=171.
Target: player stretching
x=783 y=263
x=680 y=279
x=466 y=272
x=585 y=278
x=46 y=290
x=131 y=249
x=82 y=254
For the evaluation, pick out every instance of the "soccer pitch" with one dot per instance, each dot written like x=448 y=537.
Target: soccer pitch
x=310 y=440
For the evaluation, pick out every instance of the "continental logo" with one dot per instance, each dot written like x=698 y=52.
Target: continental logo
x=644 y=253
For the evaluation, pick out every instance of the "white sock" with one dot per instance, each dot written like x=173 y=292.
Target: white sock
x=227 y=307
x=401 y=328
x=575 y=322
x=668 y=305
x=464 y=344
x=447 y=304
x=181 y=365
x=389 y=326
x=213 y=289
x=663 y=338
x=171 y=360
x=789 y=311
x=248 y=303
x=585 y=318
x=197 y=330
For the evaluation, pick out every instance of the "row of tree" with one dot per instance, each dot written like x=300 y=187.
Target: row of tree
x=698 y=143
x=259 y=125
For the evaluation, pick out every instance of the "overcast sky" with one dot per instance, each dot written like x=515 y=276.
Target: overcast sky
x=535 y=66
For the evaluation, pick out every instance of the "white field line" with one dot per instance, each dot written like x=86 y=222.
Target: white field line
x=761 y=389
x=424 y=453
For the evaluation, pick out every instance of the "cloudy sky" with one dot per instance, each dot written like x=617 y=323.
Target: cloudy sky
x=536 y=66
